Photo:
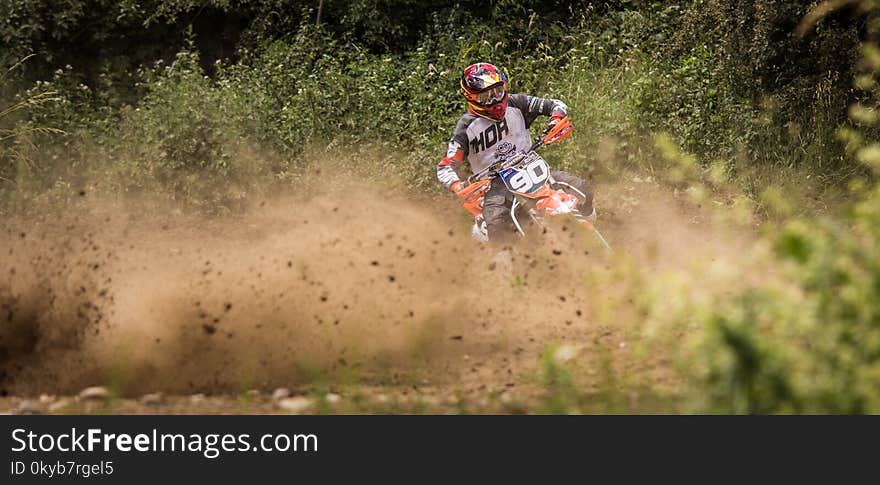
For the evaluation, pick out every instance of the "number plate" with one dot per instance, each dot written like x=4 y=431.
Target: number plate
x=527 y=176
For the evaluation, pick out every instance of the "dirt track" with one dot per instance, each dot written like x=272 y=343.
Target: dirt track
x=384 y=305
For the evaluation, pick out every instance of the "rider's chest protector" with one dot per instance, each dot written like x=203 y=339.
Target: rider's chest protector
x=491 y=141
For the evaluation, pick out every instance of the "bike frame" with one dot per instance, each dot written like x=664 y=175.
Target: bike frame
x=545 y=198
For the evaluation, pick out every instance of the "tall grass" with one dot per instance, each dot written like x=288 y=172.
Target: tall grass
x=16 y=136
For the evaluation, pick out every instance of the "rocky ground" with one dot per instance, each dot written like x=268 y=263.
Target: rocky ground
x=280 y=401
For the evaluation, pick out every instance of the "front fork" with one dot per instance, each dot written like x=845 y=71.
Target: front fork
x=579 y=216
x=576 y=213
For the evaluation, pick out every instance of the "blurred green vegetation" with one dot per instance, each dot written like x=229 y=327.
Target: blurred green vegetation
x=211 y=101
x=170 y=95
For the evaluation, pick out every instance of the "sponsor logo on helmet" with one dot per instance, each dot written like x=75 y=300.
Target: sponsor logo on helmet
x=485 y=79
x=482 y=75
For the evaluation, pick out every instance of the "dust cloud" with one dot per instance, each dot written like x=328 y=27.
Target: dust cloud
x=349 y=281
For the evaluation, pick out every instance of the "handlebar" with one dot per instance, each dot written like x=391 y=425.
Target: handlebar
x=538 y=144
x=559 y=131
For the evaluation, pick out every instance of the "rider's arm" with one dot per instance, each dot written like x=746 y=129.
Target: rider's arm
x=532 y=107
x=447 y=169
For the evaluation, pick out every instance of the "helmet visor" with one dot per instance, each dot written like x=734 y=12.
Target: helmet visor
x=491 y=95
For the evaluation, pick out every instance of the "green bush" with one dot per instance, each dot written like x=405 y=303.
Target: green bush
x=806 y=337
x=713 y=77
x=774 y=88
x=810 y=343
x=183 y=139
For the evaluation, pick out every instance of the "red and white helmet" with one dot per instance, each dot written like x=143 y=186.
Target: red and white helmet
x=484 y=86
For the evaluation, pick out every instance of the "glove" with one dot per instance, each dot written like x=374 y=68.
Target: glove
x=555 y=118
x=457 y=189
x=559 y=126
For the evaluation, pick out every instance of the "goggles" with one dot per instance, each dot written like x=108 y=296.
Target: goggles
x=491 y=95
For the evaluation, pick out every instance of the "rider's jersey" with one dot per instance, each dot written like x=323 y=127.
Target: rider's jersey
x=485 y=142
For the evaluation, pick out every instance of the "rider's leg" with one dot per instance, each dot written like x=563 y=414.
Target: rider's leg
x=496 y=212
x=576 y=186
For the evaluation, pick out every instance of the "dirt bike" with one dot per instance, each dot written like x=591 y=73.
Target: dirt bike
x=527 y=175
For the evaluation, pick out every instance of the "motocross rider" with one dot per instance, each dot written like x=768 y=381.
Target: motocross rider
x=496 y=126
